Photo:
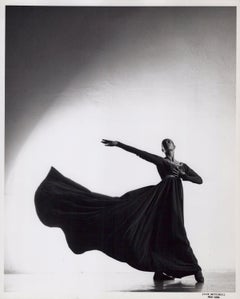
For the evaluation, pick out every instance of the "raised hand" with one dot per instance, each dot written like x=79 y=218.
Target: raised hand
x=109 y=142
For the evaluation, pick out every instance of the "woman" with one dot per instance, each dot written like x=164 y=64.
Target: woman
x=144 y=227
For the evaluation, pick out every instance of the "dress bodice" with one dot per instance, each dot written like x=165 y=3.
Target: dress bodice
x=165 y=168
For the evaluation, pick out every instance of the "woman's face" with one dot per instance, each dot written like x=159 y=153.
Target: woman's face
x=168 y=145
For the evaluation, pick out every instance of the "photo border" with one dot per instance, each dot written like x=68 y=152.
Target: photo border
x=163 y=3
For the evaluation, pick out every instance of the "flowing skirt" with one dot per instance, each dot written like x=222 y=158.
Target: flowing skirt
x=144 y=227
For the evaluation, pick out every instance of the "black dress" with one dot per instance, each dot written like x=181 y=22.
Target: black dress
x=144 y=227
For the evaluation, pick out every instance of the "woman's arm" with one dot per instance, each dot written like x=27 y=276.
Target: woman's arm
x=142 y=154
x=190 y=175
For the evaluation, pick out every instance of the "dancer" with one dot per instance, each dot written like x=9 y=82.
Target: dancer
x=143 y=227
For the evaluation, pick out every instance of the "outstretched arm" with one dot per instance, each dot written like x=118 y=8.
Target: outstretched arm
x=190 y=175
x=142 y=154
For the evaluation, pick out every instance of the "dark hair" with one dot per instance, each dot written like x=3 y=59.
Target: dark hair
x=165 y=141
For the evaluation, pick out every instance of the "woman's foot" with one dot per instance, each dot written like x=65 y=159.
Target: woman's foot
x=199 y=276
x=159 y=276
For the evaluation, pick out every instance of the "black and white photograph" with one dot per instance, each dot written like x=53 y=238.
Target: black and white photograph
x=120 y=151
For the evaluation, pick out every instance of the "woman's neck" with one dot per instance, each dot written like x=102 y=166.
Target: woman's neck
x=170 y=156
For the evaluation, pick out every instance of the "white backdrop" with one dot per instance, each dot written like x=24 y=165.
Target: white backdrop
x=174 y=78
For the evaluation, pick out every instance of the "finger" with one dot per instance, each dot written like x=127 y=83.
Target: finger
x=105 y=141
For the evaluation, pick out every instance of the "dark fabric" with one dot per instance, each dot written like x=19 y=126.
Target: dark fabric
x=144 y=227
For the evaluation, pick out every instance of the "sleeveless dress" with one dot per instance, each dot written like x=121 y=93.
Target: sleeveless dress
x=144 y=227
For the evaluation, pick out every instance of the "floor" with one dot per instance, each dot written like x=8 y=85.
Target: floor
x=120 y=282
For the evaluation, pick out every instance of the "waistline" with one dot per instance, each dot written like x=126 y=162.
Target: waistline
x=170 y=176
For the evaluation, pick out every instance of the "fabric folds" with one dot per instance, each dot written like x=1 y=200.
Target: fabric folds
x=143 y=227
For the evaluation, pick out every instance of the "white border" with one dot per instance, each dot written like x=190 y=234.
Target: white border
x=125 y=3
x=235 y=3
